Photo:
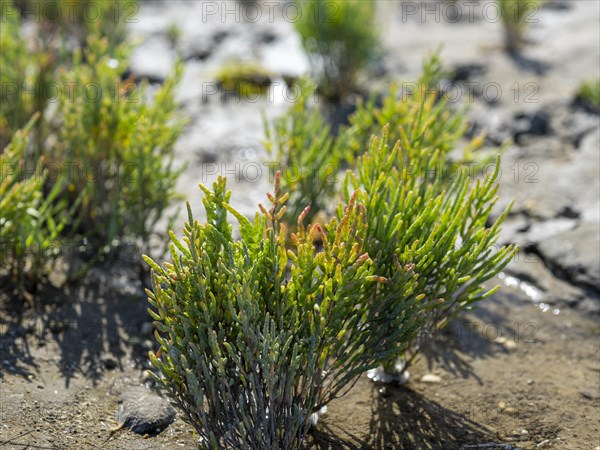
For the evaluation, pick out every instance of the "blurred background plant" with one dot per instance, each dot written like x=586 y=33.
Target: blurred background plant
x=174 y=34
x=312 y=158
x=106 y=140
x=72 y=21
x=588 y=95
x=244 y=79
x=341 y=41
x=27 y=75
x=31 y=220
x=118 y=147
x=30 y=59
x=308 y=156
x=446 y=124
x=516 y=15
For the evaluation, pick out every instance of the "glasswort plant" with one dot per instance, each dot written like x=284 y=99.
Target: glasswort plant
x=302 y=143
x=119 y=148
x=414 y=218
x=256 y=337
x=31 y=220
x=516 y=15
x=310 y=158
x=341 y=40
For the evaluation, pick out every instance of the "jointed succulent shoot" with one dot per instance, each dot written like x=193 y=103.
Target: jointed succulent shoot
x=256 y=337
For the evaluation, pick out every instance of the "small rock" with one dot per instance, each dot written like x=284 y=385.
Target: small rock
x=144 y=412
x=398 y=374
x=208 y=156
x=536 y=123
x=540 y=123
x=521 y=432
x=430 y=378
x=508 y=344
x=574 y=255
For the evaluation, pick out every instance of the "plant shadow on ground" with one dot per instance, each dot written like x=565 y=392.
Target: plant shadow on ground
x=467 y=338
x=87 y=326
x=14 y=348
x=405 y=420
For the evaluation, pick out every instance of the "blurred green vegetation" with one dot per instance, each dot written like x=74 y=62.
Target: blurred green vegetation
x=31 y=219
x=246 y=79
x=105 y=139
x=516 y=15
x=588 y=94
x=311 y=158
x=341 y=40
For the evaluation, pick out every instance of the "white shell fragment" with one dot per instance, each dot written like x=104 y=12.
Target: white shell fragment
x=399 y=375
x=313 y=419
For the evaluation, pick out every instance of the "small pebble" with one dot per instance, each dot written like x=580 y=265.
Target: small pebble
x=508 y=344
x=144 y=412
x=519 y=432
x=430 y=378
